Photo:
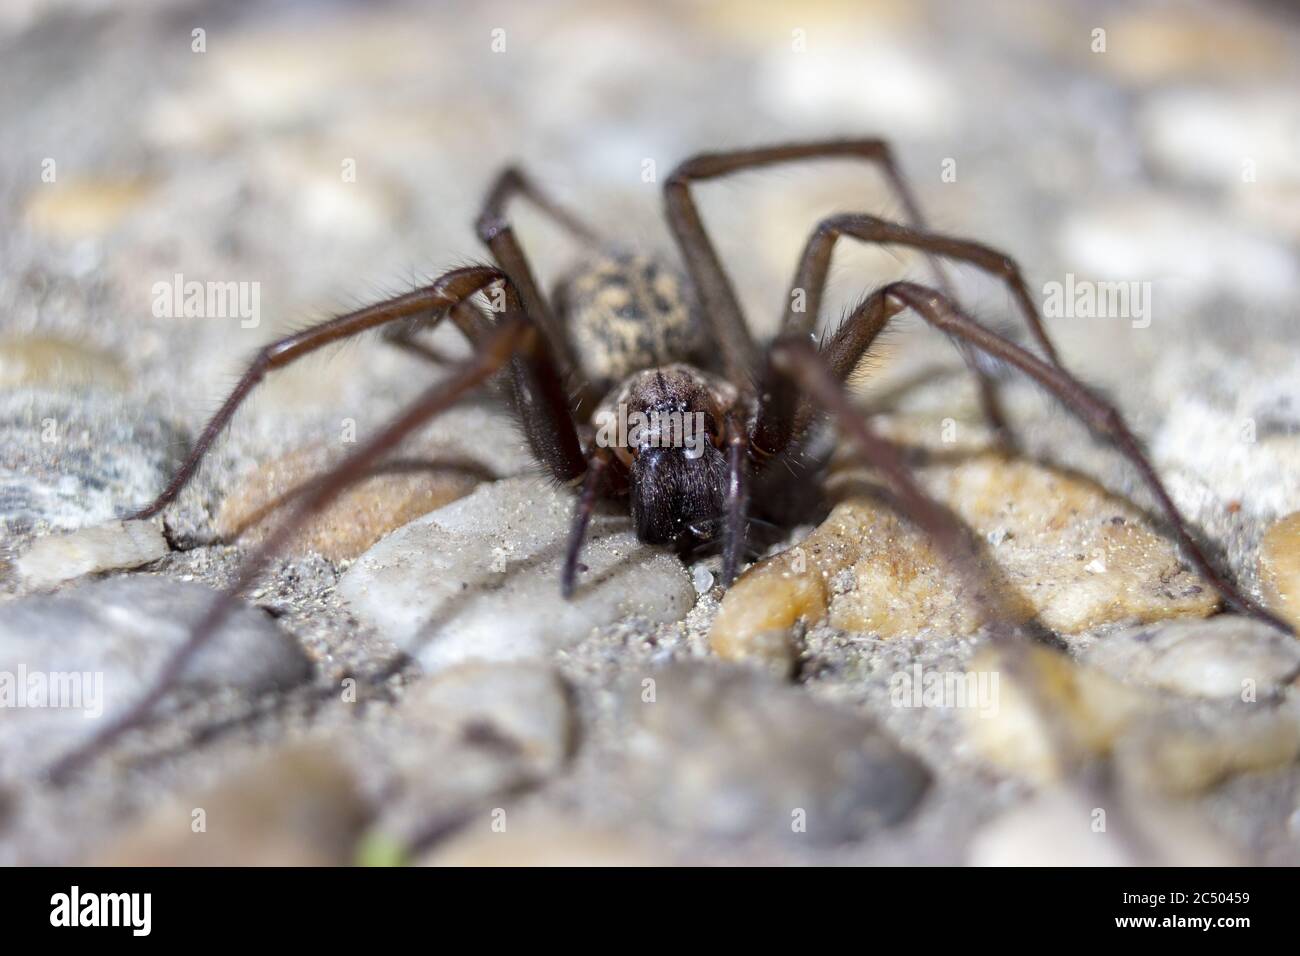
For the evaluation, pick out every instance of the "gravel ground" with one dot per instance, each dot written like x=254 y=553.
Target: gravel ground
x=420 y=694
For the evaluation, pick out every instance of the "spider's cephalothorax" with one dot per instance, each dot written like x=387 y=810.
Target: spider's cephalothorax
x=666 y=427
x=634 y=332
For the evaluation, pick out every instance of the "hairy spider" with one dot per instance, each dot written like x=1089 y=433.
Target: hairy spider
x=635 y=336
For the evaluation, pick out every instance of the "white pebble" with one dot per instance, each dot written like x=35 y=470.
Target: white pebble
x=107 y=547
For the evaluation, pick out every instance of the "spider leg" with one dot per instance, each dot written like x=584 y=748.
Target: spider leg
x=1007 y=628
x=796 y=360
x=814 y=265
x=403 y=335
x=717 y=295
x=846 y=347
x=497 y=233
x=815 y=262
x=599 y=466
x=437 y=297
x=515 y=339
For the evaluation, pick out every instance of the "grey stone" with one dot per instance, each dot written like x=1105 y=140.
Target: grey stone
x=56 y=558
x=733 y=753
x=480 y=578
x=1225 y=656
x=67 y=460
x=519 y=709
x=110 y=638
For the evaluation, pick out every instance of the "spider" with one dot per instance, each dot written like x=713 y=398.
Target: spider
x=637 y=336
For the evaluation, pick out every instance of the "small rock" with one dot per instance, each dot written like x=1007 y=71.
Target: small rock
x=1279 y=567
x=758 y=612
x=843 y=79
x=543 y=841
x=1196 y=253
x=1160 y=47
x=1179 y=753
x=1225 y=656
x=94 y=649
x=1217 y=137
x=1062 y=557
x=1060 y=828
x=298 y=807
x=521 y=709
x=1048 y=711
x=67 y=461
x=733 y=753
x=43 y=361
x=702 y=578
x=76 y=209
x=360 y=516
x=480 y=578
x=119 y=544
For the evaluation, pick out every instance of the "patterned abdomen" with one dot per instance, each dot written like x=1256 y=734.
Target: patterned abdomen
x=626 y=312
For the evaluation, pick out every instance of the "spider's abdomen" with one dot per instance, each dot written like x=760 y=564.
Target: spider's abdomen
x=626 y=312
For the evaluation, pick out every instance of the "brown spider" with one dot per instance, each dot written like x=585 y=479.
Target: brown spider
x=624 y=329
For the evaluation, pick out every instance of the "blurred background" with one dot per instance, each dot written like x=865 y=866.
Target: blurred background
x=211 y=139
x=337 y=152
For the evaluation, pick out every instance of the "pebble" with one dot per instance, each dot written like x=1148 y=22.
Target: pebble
x=67 y=461
x=1071 y=554
x=1087 y=709
x=117 y=632
x=1279 y=567
x=57 y=558
x=733 y=753
x=544 y=840
x=1187 y=753
x=1194 y=253
x=1061 y=828
x=1225 y=656
x=1159 y=47
x=76 y=209
x=48 y=361
x=480 y=578
x=1202 y=440
x=298 y=806
x=1156 y=745
x=520 y=708
x=1207 y=136
x=468 y=740
x=886 y=85
x=361 y=515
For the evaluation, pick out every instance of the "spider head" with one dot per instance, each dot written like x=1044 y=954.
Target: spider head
x=677 y=496
x=668 y=434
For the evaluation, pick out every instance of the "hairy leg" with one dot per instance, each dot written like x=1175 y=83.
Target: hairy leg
x=464 y=315
x=497 y=233
x=797 y=360
x=601 y=467
x=842 y=352
x=435 y=298
x=814 y=266
x=717 y=295
x=514 y=338
x=810 y=277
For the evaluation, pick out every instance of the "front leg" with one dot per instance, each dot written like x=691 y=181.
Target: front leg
x=722 y=310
